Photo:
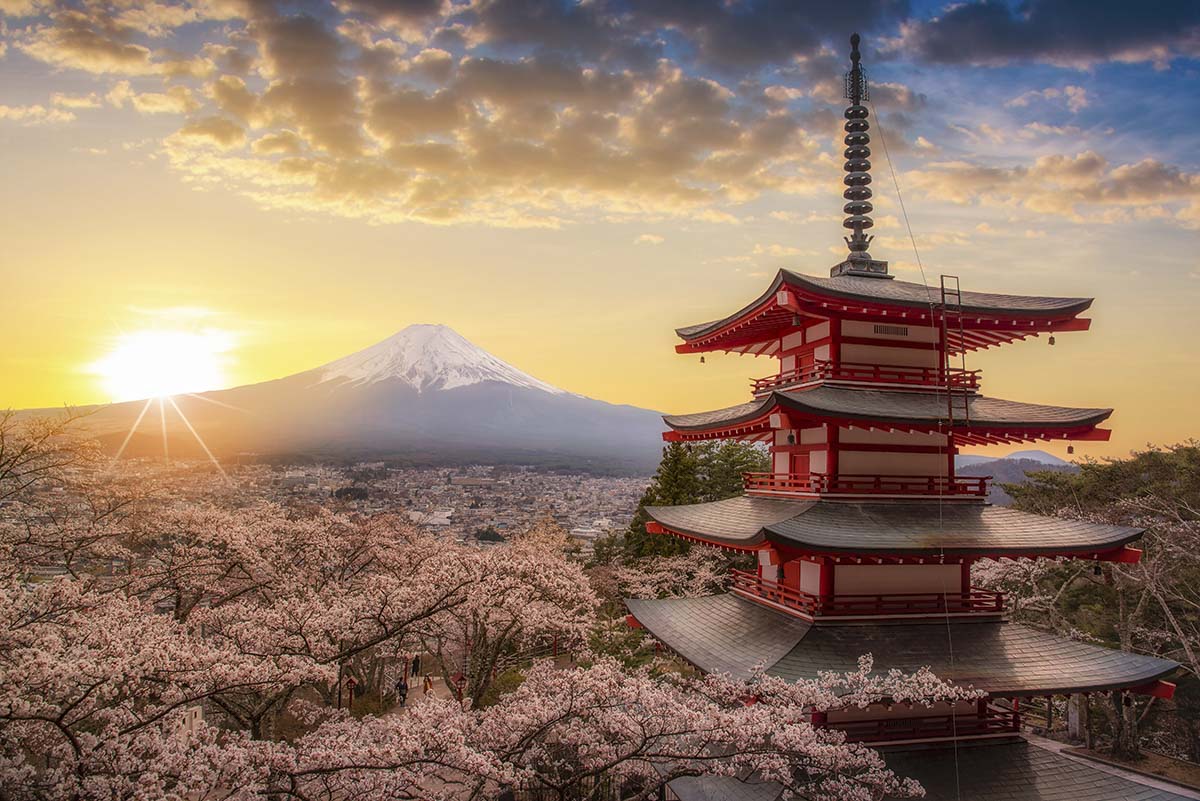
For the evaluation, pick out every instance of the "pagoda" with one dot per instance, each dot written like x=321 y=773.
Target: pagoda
x=864 y=536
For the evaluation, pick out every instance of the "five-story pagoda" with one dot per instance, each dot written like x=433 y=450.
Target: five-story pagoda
x=865 y=537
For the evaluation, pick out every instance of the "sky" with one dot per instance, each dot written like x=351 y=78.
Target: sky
x=566 y=183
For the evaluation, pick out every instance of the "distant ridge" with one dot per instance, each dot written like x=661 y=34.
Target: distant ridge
x=424 y=395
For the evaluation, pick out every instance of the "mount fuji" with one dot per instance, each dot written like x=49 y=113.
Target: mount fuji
x=425 y=395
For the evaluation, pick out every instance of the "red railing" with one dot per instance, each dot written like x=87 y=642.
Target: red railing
x=993 y=721
x=824 y=370
x=822 y=483
x=974 y=601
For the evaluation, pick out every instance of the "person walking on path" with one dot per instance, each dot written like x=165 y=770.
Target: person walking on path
x=402 y=692
x=427 y=685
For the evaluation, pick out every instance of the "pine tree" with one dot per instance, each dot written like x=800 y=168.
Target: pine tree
x=690 y=474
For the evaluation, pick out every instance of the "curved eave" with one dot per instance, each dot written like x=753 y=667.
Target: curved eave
x=886 y=531
x=988 y=319
x=990 y=420
x=738 y=523
x=728 y=634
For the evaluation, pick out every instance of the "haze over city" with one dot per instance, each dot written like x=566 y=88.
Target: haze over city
x=565 y=184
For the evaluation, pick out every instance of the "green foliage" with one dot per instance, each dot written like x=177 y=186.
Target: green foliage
x=690 y=473
x=1172 y=472
x=501 y=686
x=489 y=534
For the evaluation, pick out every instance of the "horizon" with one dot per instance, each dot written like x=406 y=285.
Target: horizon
x=286 y=229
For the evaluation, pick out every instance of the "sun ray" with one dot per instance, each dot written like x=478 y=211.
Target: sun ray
x=218 y=403
x=162 y=419
x=129 y=436
x=188 y=423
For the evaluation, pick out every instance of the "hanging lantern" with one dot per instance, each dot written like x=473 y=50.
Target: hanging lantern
x=702 y=360
x=1052 y=339
x=1070 y=449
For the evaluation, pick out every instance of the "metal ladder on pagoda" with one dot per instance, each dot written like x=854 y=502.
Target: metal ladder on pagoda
x=952 y=322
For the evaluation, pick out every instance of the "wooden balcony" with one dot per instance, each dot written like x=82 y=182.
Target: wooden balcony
x=823 y=370
x=972 y=602
x=853 y=484
x=934 y=727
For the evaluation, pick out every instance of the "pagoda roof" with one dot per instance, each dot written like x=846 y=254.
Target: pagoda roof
x=998 y=657
x=894 y=528
x=976 y=416
x=1003 y=317
x=994 y=771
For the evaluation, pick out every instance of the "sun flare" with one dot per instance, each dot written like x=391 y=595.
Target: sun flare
x=160 y=363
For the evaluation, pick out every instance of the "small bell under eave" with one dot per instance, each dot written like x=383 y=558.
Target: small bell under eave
x=702 y=360
x=1052 y=339
x=1070 y=449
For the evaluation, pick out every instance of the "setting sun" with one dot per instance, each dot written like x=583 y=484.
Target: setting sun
x=158 y=363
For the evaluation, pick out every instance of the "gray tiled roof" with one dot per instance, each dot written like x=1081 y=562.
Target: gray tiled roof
x=913 y=294
x=900 y=293
x=891 y=527
x=737 y=521
x=728 y=634
x=893 y=406
x=1013 y=770
x=718 y=633
x=731 y=414
x=1000 y=657
x=952 y=529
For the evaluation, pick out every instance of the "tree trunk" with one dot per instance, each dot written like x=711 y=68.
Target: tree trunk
x=1125 y=738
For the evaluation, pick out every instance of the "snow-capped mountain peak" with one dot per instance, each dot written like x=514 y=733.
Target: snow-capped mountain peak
x=429 y=357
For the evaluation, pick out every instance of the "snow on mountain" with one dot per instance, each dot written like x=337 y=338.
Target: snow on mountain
x=429 y=358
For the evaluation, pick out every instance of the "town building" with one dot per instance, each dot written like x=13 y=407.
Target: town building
x=864 y=538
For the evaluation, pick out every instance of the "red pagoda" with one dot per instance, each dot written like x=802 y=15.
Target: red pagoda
x=864 y=536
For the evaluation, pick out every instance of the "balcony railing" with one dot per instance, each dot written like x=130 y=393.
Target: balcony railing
x=855 y=484
x=824 y=370
x=933 y=727
x=974 y=601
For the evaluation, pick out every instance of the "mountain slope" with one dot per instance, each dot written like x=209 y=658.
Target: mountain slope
x=425 y=395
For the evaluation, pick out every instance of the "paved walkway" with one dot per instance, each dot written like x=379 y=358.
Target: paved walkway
x=1128 y=775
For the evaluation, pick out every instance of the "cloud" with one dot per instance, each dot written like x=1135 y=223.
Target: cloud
x=34 y=115
x=649 y=239
x=1065 y=32
x=90 y=100
x=176 y=100
x=93 y=43
x=216 y=131
x=775 y=251
x=1081 y=187
x=1076 y=97
x=283 y=143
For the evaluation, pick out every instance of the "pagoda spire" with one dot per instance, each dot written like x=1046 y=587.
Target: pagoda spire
x=858 y=175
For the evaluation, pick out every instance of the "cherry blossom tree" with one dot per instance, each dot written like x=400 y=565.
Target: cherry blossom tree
x=700 y=571
x=254 y=612
x=523 y=596
x=572 y=733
